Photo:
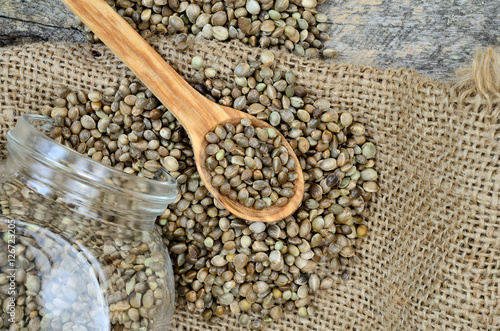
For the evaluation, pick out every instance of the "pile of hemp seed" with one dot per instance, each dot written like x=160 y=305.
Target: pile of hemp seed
x=294 y=25
x=223 y=264
x=250 y=165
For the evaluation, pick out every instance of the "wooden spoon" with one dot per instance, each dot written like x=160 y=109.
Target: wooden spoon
x=197 y=114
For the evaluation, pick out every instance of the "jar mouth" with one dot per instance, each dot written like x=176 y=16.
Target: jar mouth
x=27 y=138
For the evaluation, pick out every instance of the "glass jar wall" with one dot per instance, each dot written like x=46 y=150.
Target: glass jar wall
x=80 y=250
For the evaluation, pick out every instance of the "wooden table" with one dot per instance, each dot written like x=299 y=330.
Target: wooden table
x=435 y=37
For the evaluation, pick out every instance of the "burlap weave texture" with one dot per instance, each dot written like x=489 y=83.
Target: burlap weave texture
x=431 y=259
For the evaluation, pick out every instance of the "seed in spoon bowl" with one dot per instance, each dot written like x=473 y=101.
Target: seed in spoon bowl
x=250 y=165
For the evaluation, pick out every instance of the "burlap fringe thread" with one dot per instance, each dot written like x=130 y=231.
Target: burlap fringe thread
x=481 y=78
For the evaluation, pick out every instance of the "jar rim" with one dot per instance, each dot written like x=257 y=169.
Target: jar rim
x=26 y=137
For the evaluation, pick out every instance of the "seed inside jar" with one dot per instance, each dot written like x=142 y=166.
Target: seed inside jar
x=53 y=275
x=250 y=165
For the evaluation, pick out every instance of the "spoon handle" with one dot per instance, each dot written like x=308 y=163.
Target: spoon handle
x=190 y=108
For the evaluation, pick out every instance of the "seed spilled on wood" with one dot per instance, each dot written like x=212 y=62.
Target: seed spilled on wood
x=296 y=26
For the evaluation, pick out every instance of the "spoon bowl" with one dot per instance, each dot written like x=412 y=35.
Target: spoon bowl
x=197 y=114
x=269 y=214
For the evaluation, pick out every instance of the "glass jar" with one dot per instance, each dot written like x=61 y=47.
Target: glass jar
x=80 y=250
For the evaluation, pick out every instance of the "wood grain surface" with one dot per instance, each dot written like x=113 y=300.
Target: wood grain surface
x=435 y=37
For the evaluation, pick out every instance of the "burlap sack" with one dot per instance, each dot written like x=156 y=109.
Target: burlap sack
x=431 y=259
